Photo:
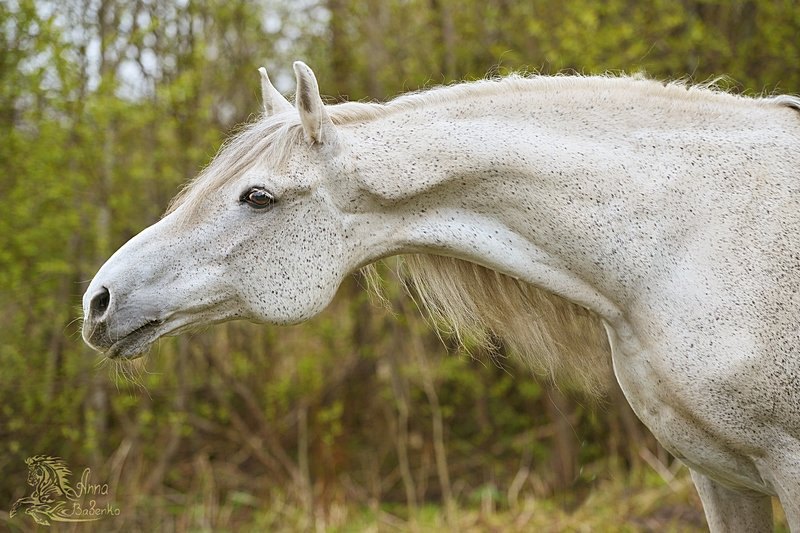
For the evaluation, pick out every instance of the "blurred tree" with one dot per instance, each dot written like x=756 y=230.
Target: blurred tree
x=108 y=106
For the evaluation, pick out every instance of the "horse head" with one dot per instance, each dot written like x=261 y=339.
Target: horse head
x=256 y=236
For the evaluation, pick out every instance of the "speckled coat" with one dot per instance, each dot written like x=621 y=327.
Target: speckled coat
x=672 y=213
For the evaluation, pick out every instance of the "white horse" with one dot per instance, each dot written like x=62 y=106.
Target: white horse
x=544 y=209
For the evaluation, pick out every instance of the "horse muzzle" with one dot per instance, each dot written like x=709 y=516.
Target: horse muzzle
x=113 y=335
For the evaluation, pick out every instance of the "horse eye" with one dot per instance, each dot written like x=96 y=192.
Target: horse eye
x=257 y=198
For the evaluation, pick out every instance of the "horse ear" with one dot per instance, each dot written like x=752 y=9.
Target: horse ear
x=315 y=119
x=271 y=99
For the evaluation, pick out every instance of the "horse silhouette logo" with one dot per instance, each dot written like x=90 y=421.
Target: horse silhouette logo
x=54 y=498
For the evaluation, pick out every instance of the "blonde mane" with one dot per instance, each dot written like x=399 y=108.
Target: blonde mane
x=557 y=338
x=482 y=308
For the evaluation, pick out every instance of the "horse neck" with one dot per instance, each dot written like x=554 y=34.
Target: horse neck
x=511 y=184
x=558 y=188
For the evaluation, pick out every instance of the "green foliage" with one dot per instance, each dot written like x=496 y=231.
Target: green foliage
x=107 y=107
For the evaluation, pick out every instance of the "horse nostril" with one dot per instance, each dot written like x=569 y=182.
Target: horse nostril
x=99 y=303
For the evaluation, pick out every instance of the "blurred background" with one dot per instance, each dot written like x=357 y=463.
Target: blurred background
x=361 y=419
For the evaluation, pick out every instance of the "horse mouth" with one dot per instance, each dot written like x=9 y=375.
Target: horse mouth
x=137 y=342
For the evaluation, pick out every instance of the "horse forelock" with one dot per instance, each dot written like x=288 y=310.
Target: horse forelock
x=268 y=141
x=58 y=469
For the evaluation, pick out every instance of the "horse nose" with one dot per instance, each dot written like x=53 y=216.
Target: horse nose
x=96 y=316
x=98 y=305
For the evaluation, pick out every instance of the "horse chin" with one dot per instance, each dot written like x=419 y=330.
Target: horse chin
x=136 y=343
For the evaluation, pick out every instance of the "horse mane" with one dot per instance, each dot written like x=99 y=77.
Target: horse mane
x=270 y=140
x=554 y=336
x=481 y=308
x=57 y=479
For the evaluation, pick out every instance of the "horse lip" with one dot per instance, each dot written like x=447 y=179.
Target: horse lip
x=135 y=343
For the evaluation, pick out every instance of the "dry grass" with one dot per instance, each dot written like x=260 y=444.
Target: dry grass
x=640 y=502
